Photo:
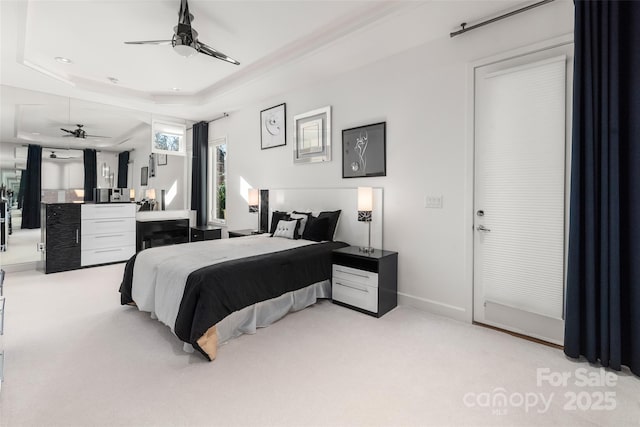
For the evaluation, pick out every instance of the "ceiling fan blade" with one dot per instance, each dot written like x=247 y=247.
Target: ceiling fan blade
x=68 y=136
x=96 y=136
x=208 y=50
x=67 y=130
x=184 y=17
x=150 y=42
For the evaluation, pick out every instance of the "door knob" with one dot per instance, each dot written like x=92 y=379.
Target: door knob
x=482 y=228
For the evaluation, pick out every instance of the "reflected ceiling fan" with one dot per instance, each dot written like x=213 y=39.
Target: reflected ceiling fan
x=80 y=133
x=53 y=155
x=185 y=38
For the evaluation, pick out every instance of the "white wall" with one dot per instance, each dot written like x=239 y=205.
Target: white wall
x=422 y=94
x=170 y=177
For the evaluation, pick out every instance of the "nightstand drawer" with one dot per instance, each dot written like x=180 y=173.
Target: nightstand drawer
x=363 y=277
x=103 y=241
x=355 y=294
x=104 y=256
x=108 y=225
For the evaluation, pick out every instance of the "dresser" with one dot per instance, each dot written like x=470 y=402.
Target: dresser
x=108 y=233
x=61 y=236
x=366 y=282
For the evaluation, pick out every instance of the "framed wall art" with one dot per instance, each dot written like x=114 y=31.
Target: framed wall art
x=273 y=127
x=162 y=159
x=364 y=151
x=312 y=136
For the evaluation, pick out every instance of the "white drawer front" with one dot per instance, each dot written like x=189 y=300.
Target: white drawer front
x=109 y=210
x=108 y=226
x=354 y=275
x=355 y=294
x=102 y=256
x=110 y=240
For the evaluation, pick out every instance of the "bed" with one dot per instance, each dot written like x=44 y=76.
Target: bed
x=211 y=291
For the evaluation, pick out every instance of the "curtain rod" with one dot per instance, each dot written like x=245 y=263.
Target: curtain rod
x=497 y=18
x=224 y=115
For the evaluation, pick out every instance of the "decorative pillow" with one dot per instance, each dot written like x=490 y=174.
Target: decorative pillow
x=303 y=217
x=317 y=229
x=287 y=229
x=333 y=222
x=276 y=216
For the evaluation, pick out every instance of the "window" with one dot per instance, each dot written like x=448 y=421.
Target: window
x=217 y=180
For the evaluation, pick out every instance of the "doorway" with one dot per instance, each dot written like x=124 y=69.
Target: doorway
x=521 y=113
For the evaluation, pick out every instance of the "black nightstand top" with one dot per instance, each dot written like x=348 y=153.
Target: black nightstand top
x=356 y=252
x=205 y=227
x=245 y=232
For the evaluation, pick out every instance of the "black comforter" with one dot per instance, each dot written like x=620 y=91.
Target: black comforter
x=212 y=293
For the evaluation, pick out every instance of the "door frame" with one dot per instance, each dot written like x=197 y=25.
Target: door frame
x=469 y=191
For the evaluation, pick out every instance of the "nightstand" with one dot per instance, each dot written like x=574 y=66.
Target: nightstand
x=205 y=232
x=242 y=233
x=366 y=282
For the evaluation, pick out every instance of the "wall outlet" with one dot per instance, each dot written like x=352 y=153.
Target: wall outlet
x=433 y=202
x=40 y=247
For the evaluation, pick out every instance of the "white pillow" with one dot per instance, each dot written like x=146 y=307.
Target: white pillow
x=286 y=229
x=303 y=221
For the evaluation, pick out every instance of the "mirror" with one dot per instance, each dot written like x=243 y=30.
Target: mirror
x=54 y=123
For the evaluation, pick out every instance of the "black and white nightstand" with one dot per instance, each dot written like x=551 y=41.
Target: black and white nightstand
x=366 y=282
x=242 y=233
x=205 y=232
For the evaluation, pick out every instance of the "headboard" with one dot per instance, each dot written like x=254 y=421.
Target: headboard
x=330 y=199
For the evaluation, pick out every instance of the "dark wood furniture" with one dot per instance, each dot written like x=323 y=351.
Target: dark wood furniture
x=366 y=282
x=61 y=236
x=242 y=233
x=205 y=232
x=150 y=234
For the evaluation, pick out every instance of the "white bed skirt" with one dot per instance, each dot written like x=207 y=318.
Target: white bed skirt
x=264 y=313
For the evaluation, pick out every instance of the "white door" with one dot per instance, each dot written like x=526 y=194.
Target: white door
x=521 y=129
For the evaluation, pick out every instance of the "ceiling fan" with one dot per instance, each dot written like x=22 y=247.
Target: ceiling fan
x=80 y=133
x=53 y=155
x=185 y=39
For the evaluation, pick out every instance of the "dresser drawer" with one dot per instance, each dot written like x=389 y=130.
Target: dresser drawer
x=109 y=210
x=354 y=275
x=110 y=240
x=108 y=226
x=355 y=294
x=103 y=256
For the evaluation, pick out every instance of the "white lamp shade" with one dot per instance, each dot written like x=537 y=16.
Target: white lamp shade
x=151 y=194
x=132 y=194
x=254 y=197
x=365 y=199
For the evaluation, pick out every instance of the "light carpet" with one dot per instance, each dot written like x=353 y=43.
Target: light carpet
x=75 y=357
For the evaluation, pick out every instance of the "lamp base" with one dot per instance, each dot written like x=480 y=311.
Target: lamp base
x=366 y=250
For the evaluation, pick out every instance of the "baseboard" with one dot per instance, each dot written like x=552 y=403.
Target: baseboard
x=435 y=307
x=23 y=266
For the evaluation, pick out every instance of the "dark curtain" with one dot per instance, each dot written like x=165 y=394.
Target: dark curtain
x=603 y=278
x=199 y=172
x=32 y=188
x=23 y=182
x=90 y=173
x=123 y=169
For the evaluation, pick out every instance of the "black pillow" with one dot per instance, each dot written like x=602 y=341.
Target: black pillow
x=333 y=222
x=276 y=216
x=317 y=229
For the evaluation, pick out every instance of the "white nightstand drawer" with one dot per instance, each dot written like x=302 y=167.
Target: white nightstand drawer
x=111 y=240
x=355 y=294
x=103 y=256
x=109 y=210
x=108 y=226
x=354 y=275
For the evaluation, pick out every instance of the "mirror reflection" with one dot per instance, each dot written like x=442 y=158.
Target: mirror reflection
x=76 y=139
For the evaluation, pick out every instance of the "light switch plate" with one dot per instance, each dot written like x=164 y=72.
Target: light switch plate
x=433 y=202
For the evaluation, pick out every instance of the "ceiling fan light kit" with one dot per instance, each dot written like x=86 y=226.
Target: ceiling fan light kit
x=185 y=39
